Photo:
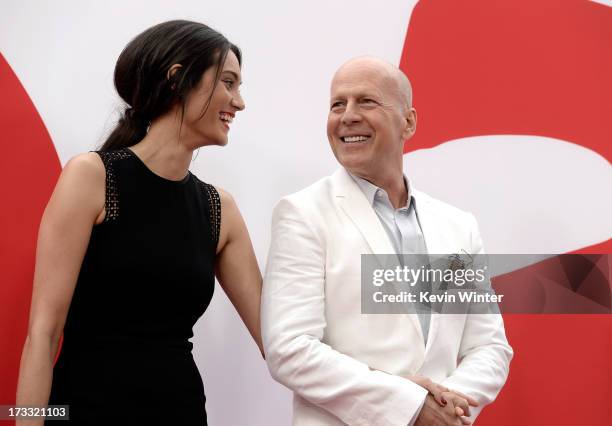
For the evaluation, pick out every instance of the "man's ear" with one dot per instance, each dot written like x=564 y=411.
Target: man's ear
x=411 y=122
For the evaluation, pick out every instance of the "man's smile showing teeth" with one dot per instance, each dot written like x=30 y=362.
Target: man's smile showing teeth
x=353 y=139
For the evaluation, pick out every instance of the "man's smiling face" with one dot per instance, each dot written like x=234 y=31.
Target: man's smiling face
x=369 y=118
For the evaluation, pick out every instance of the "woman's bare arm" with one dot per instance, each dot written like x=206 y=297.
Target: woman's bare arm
x=77 y=203
x=237 y=268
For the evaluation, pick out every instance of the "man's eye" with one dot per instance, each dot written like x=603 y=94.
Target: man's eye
x=368 y=101
x=336 y=105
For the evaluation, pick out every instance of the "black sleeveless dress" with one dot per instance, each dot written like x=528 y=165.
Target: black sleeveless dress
x=147 y=276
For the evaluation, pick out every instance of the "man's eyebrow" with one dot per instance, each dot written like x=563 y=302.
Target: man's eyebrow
x=359 y=95
x=367 y=94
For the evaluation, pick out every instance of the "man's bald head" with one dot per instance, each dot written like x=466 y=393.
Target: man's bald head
x=394 y=76
x=370 y=118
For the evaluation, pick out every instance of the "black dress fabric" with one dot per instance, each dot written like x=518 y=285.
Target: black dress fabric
x=146 y=278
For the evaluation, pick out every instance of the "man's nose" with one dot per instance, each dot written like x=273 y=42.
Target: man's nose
x=351 y=114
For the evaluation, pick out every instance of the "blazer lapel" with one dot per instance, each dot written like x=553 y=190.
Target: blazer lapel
x=356 y=206
x=427 y=219
x=438 y=244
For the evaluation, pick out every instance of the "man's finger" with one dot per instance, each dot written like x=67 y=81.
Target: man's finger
x=449 y=409
x=469 y=399
x=465 y=421
x=457 y=401
x=463 y=404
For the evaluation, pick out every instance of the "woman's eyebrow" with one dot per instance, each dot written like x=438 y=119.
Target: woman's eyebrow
x=233 y=74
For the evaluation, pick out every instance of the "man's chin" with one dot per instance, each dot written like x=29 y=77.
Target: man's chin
x=354 y=168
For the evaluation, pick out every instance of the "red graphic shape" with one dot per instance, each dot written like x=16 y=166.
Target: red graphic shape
x=29 y=168
x=525 y=67
x=560 y=375
x=566 y=283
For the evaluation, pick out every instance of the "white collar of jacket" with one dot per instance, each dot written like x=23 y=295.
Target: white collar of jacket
x=370 y=190
x=354 y=203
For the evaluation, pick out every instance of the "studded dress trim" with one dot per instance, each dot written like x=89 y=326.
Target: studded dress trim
x=111 y=203
x=214 y=208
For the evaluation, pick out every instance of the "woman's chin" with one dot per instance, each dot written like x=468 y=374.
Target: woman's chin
x=213 y=142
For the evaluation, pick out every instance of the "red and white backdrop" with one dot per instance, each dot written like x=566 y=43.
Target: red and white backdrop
x=514 y=100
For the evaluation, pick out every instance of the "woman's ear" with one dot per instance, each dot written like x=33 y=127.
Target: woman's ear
x=171 y=71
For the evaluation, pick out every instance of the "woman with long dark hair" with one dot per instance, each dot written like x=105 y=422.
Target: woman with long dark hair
x=130 y=242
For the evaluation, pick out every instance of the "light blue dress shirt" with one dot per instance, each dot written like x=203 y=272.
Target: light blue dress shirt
x=402 y=226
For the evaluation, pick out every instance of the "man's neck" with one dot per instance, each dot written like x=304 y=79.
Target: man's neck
x=394 y=186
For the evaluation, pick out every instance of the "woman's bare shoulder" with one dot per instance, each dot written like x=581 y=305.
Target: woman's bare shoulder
x=82 y=182
x=225 y=197
x=87 y=165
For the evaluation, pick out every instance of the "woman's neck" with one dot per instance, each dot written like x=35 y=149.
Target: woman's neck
x=162 y=152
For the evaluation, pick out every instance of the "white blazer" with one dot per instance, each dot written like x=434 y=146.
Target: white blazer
x=317 y=342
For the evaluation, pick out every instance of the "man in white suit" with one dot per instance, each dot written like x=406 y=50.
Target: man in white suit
x=343 y=366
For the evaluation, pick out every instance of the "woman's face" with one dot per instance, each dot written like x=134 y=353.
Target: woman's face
x=212 y=128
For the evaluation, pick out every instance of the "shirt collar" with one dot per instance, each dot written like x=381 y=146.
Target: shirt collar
x=370 y=190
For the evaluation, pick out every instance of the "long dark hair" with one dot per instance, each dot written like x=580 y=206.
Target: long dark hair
x=142 y=68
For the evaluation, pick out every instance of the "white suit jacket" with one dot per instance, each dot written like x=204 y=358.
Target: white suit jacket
x=317 y=342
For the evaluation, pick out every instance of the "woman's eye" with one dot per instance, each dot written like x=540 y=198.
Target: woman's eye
x=229 y=83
